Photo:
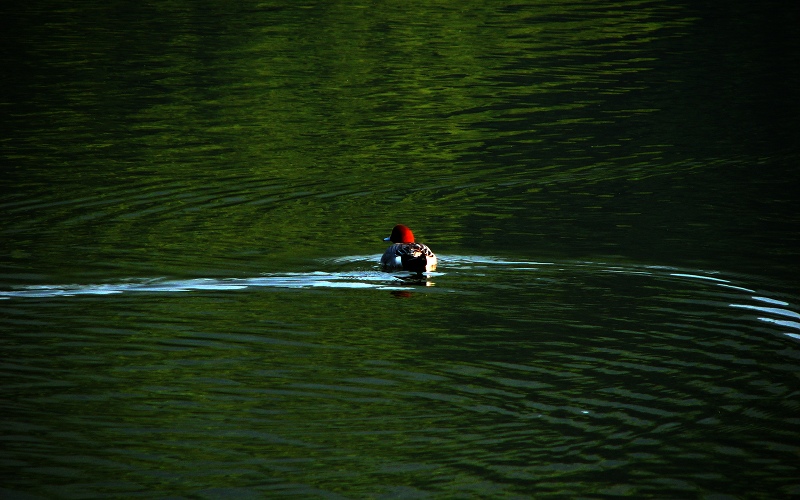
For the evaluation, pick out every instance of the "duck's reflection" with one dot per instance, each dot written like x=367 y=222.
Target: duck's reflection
x=409 y=281
x=415 y=280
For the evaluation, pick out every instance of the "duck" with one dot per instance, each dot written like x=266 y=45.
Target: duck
x=406 y=254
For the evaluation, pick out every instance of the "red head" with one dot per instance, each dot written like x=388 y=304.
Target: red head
x=401 y=234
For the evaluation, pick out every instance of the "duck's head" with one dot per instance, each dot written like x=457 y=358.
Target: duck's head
x=401 y=234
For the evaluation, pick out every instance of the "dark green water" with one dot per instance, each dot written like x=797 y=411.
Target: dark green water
x=192 y=202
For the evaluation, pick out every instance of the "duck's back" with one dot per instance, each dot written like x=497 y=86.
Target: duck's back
x=414 y=257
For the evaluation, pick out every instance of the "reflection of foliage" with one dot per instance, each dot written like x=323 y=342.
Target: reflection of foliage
x=270 y=128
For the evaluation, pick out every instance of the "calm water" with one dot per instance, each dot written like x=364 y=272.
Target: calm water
x=192 y=202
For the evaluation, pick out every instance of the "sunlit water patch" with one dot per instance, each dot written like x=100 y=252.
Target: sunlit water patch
x=289 y=280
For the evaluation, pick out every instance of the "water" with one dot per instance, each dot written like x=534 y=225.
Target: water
x=193 y=201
